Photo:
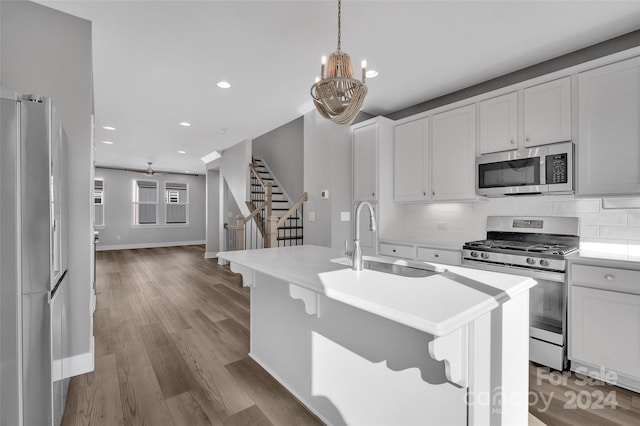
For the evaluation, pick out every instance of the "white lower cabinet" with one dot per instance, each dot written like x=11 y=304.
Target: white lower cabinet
x=604 y=323
x=448 y=257
x=397 y=250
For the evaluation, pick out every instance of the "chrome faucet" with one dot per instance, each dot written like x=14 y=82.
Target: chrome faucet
x=357 y=252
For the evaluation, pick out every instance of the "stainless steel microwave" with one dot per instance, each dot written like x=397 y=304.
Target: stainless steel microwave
x=539 y=170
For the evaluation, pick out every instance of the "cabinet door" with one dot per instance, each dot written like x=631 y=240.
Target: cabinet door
x=499 y=123
x=453 y=154
x=604 y=329
x=547 y=113
x=411 y=159
x=365 y=163
x=608 y=131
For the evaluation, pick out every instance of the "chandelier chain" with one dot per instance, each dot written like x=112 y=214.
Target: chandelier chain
x=339 y=22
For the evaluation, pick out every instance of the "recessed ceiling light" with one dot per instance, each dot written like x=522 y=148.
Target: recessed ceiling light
x=187 y=171
x=372 y=73
x=223 y=84
x=108 y=142
x=222 y=131
x=185 y=124
x=108 y=128
x=182 y=152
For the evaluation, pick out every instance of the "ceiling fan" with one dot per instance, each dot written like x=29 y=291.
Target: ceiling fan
x=150 y=172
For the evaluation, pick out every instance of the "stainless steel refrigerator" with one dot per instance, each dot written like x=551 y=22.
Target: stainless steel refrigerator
x=33 y=265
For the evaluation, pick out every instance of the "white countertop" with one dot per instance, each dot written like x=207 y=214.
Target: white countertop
x=438 y=304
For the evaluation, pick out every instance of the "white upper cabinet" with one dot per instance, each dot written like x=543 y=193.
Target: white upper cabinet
x=411 y=162
x=608 y=129
x=365 y=162
x=453 y=150
x=499 y=123
x=547 y=113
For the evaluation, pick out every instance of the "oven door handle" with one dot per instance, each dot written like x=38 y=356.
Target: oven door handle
x=516 y=270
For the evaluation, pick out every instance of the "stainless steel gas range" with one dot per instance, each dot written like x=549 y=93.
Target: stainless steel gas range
x=535 y=247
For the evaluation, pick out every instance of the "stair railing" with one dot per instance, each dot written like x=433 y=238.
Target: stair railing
x=274 y=223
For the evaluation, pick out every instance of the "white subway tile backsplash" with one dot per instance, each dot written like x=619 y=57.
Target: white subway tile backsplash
x=467 y=221
x=620 y=232
x=562 y=208
x=615 y=218
x=588 y=206
x=633 y=218
x=589 y=232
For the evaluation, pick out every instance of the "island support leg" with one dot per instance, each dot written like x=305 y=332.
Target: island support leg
x=499 y=365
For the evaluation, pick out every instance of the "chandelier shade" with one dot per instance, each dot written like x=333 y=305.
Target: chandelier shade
x=338 y=96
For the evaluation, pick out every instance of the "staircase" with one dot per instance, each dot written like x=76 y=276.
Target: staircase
x=274 y=219
x=290 y=233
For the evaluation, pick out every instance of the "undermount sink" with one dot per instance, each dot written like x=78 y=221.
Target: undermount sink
x=396 y=269
x=400 y=267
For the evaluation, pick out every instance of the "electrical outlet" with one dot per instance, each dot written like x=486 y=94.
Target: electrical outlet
x=345 y=216
x=442 y=226
x=312 y=216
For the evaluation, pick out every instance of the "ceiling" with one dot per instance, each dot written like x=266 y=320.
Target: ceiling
x=156 y=63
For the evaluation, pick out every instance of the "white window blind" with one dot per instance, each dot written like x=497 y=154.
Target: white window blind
x=145 y=202
x=98 y=202
x=176 y=198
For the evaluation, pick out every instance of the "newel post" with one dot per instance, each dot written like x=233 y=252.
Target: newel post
x=240 y=232
x=268 y=197
x=272 y=232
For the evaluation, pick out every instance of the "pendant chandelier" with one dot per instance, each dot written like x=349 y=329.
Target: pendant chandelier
x=337 y=95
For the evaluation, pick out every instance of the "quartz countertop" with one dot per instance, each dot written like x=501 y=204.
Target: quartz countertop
x=438 y=304
x=607 y=251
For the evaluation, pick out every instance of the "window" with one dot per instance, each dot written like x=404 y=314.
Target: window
x=145 y=202
x=98 y=202
x=176 y=199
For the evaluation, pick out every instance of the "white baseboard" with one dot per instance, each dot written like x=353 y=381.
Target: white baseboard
x=81 y=363
x=210 y=254
x=149 y=245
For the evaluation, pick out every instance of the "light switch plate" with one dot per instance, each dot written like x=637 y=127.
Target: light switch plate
x=312 y=216
x=345 y=216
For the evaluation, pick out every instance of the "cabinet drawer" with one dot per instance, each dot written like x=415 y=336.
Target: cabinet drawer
x=407 y=252
x=607 y=278
x=447 y=257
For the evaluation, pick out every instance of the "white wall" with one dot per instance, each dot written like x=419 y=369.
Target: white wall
x=327 y=165
x=48 y=53
x=283 y=151
x=234 y=168
x=119 y=232
x=213 y=213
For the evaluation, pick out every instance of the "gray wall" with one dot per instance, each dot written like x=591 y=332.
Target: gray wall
x=48 y=53
x=283 y=150
x=119 y=231
x=327 y=165
x=213 y=213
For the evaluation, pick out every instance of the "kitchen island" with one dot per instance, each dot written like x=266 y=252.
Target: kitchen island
x=370 y=347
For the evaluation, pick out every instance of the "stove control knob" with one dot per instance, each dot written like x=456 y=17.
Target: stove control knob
x=474 y=254
x=531 y=261
x=484 y=255
x=544 y=262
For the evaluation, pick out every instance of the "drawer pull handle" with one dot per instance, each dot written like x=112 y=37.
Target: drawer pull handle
x=609 y=277
x=436 y=255
x=394 y=250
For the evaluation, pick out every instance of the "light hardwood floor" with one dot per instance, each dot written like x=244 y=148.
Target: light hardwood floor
x=172 y=337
